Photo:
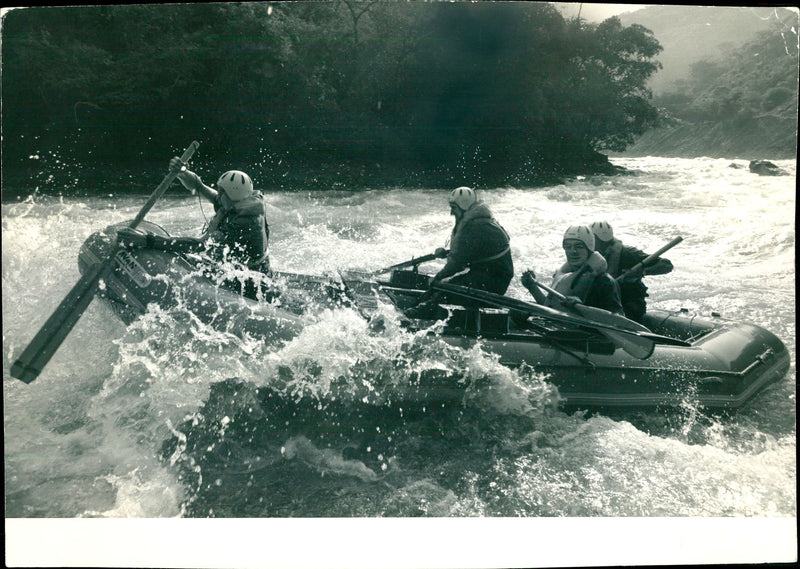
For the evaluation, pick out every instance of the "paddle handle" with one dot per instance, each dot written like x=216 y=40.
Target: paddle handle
x=162 y=187
x=652 y=258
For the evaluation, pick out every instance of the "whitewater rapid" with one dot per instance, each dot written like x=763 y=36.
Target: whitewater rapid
x=87 y=439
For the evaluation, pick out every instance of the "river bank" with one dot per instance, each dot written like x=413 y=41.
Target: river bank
x=60 y=174
x=764 y=137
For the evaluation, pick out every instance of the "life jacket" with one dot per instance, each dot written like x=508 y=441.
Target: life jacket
x=577 y=282
x=612 y=255
x=242 y=226
x=477 y=238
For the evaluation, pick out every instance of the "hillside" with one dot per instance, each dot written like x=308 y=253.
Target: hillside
x=740 y=100
x=765 y=138
x=690 y=34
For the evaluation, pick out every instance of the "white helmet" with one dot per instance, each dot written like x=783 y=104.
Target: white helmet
x=463 y=197
x=581 y=233
x=236 y=184
x=602 y=231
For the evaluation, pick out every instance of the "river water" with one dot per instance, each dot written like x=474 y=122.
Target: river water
x=161 y=418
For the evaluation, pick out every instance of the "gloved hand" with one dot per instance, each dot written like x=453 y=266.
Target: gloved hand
x=571 y=301
x=528 y=279
x=441 y=253
x=186 y=177
x=175 y=164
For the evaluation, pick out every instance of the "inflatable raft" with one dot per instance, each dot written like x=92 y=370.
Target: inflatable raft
x=710 y=361
x=680 y=358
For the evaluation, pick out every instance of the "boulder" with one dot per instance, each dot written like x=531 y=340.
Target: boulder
x=765 y=168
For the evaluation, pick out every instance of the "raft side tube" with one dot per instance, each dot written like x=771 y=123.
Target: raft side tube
x=146 y=276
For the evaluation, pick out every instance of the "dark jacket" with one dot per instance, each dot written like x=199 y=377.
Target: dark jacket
x=604 y=294
x=633 y=292
x=480 y=243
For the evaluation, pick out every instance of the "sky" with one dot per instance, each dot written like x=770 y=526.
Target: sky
x=595 y=12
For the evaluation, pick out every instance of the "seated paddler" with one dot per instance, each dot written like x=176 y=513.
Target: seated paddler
x=479 y=256
x=238 y=232
x=583 y=278
x=624 y=264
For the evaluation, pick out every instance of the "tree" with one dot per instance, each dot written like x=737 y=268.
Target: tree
x=486 y=92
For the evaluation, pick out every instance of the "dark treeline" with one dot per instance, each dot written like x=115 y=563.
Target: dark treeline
x=308 y=94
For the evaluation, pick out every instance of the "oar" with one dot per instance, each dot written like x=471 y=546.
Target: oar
x=633 y=343
x=595 y=314
x=412 y=263
x=44 y=344
x=651 y=258
x=636 y=346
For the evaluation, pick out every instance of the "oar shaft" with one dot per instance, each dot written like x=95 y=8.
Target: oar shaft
x=630 y=341
x=552 y=291
x=162 y=187
x=594 y=314
x=650 y=259
x=404 y=264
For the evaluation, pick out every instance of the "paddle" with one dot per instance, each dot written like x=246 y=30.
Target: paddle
x=636 y=346
x=412 y=263
x=50 y=336
x=650 y=258
x=632 y=342
x=595 y=314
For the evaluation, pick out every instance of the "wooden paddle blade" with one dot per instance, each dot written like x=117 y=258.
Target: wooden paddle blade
x=608 y=318
x=50 y=336
x=630 y=341
x=633 y=344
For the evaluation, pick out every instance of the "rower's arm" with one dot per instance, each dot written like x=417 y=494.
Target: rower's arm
x=192 y=181
x=529 y=282
x=660 y=267
x=195 y=183
x=135 y=238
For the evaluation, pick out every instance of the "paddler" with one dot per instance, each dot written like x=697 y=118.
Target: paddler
x=478 y=245
x=238 y=231
x=624 y=264
x=583 y=278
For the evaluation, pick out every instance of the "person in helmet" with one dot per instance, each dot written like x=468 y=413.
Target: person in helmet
x=583 y=278
x=623 y=264
x=238 y=231
x=478 y=245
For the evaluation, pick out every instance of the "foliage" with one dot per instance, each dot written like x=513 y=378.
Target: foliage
x=757 y=79
x=380 y=92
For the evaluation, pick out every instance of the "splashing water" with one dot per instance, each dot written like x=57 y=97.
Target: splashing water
x=168 y=417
